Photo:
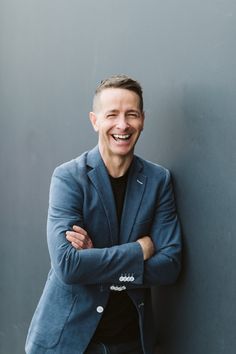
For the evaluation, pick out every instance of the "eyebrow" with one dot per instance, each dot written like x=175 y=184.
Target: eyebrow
x=112 y=111
x=128 y=111
x=133 y=111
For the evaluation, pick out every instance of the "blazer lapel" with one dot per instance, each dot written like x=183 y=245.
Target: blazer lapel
x=100 y=179
x=134 y=193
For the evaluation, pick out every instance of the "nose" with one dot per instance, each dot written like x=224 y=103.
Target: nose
x=122 y=123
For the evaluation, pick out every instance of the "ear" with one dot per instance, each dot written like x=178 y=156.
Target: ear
x=94 y=119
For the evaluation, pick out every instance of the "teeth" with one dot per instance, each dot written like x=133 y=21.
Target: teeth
x=117 y=136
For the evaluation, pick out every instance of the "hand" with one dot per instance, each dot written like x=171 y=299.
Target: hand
x=147 y=247
x=79 y=238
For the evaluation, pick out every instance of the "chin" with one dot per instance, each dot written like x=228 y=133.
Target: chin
x=123 y=152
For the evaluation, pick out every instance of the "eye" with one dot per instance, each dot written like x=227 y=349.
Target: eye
x=133 y=115
x=111 y=115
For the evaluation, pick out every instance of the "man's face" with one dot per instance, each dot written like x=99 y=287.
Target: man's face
x=118 y=121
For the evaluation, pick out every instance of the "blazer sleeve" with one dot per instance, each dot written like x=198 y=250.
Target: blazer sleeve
x=89 y=266
x=164 y=266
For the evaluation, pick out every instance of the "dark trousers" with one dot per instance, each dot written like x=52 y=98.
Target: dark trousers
x=121 y=348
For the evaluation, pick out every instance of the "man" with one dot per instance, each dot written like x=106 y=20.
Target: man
x=112 y=234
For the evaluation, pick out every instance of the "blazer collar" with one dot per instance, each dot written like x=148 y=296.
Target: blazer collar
x=100 y=179
x=94 y=157
x=134 y=193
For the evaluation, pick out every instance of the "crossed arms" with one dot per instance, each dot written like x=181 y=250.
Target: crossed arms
x=80 y=240
x=152 y=259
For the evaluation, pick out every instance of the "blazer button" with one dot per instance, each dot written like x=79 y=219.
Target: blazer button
x=100 y=309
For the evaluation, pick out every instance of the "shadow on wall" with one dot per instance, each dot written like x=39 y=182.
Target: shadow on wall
x=201 y=155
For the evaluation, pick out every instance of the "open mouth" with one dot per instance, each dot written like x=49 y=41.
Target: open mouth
x=121 y=137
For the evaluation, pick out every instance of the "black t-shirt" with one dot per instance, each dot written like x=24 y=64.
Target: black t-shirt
x=119 y=322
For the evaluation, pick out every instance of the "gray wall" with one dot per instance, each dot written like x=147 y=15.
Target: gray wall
x=52 y=55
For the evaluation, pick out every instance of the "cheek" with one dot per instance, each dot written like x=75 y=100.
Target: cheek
x=106 y=127
x=139 y=127
x=103 y=130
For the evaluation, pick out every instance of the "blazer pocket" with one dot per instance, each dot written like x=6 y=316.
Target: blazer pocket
x=51 y=315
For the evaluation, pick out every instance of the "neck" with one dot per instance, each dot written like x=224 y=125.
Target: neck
x=116 y=165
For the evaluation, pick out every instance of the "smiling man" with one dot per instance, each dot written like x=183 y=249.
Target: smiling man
x=118 y=118
x=112 y=233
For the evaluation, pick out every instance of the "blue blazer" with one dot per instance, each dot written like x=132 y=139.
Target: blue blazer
x=79 y=282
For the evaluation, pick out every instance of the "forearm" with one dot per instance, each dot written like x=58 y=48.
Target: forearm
x=158 y=270
x=80 y=240
x=164 y=265
x=96 y=266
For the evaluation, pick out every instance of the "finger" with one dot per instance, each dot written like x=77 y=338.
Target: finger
x=76 y=235
x=76 y=243
x=79 y=230
x=80 y=240
x=76 y=246
x=79 y=236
